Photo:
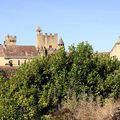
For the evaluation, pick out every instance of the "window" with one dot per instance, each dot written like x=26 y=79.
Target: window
x=18 y=62
x=50 y=46
x=12 y=40
x=25 y=61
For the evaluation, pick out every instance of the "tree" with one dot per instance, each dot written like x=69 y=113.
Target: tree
x=39 y=86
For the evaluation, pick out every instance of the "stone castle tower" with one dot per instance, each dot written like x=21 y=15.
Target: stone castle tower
x=47 y=42
x=10 y=40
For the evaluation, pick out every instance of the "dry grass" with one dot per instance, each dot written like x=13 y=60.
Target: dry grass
x=90 y=110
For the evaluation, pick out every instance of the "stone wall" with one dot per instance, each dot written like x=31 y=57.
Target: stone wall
x=10 y=40
x=115 y=52
x=15 y=62
x=44 y=40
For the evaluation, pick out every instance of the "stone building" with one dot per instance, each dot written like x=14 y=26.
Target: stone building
x=49 y=43
x=15 y=55
x=115 y=52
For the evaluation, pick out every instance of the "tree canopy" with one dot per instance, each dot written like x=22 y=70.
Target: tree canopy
x=38 y=87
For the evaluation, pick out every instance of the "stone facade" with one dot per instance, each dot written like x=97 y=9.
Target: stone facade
x=10 y=40
x=15 y=55
x=115 y=52
x=47 y=42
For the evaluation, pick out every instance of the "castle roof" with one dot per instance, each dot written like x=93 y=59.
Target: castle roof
x=61 y=42
x=38 y=29
x=18 y=51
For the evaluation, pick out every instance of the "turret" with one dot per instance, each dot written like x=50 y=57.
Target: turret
x=10 y=40
x=39 y=38
x=38 y=30
x=60 y=43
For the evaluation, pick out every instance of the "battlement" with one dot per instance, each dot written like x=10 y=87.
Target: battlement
x=50 y=35
x=44 y=40
x=10 y=40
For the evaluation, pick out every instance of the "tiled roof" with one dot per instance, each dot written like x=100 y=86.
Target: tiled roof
x=16 y=51
x=61 y=41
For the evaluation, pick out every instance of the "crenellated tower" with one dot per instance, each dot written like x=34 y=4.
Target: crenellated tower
x=10 y=40
x=49 y=42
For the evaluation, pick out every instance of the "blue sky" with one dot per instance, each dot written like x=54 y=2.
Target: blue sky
x=95 y=21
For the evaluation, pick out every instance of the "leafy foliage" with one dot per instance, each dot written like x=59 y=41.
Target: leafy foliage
x=38 y=87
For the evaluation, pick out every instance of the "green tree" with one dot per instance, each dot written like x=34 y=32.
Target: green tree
x=38 y=87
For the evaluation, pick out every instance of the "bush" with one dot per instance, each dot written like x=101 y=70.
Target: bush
x=38 y=87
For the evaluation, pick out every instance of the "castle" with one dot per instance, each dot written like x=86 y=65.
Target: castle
x=47 y=42
x=15 y=55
